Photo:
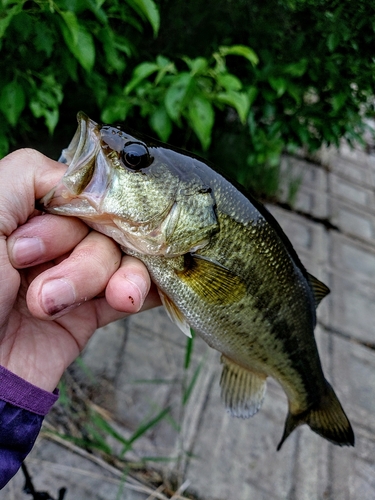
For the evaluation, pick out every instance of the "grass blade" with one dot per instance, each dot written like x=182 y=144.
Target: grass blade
x=143 y=428
x=189 y=349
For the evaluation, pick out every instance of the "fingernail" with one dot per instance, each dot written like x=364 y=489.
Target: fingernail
x=57 y=296
x=27 y=250
x=140 y=284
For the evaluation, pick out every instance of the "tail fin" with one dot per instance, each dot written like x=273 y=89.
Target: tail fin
x=327 y=418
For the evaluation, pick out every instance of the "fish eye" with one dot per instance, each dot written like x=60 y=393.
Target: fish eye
x=135 y=156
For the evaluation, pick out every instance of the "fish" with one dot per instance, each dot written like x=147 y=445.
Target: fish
x=221 y=263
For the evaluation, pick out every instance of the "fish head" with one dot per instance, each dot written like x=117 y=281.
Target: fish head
x=148 y=197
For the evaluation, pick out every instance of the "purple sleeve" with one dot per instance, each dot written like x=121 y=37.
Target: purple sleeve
x=22 y=409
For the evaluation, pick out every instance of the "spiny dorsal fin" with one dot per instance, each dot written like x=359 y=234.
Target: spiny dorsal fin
x=175 y=314
x=320 y=290
x=327 y=418
x=242 y=391
x=210 y=280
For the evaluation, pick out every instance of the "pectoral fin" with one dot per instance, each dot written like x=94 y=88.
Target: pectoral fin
x=213 y=282
x=242 y=391
x=175 y=314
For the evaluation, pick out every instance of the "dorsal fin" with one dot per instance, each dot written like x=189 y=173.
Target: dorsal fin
x=320 y=290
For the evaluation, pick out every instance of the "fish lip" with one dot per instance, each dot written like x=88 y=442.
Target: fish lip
x=80 y=158
x=75 y=147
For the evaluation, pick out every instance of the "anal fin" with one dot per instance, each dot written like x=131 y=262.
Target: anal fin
x=242 y=390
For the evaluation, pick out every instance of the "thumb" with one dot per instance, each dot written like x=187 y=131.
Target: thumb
x=25 y=175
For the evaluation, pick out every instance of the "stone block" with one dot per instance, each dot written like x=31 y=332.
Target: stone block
x=352 y=220
x=353 y=370
x=353 y=258
x=152 y=376
x=357 y=174
x=345 y=191
x=358 y=156
x=351 y=307
x=103 y=352
x=311 y=194
x=307 y=237
x=235 y=458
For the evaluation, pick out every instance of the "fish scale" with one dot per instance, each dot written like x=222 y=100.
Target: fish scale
x=221 y=262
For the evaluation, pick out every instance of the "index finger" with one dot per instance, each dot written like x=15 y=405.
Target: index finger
x=44 y=238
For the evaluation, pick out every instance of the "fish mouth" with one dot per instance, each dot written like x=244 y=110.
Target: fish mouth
x=83 y=182
x=79 y=142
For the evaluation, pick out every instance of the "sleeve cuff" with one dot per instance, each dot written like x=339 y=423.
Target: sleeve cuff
x=18 y=392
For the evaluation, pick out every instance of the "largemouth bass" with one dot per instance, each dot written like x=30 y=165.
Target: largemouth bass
x=221 y=262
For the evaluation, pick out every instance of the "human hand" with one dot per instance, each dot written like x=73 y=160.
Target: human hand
x=59 y=281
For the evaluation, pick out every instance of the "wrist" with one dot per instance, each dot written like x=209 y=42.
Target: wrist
x=21 y=393
x=34 y=377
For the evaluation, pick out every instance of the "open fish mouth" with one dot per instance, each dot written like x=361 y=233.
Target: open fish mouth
x=85 y=177
x=79 y=144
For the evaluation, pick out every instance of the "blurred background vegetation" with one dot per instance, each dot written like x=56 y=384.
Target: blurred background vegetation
x=238 y=82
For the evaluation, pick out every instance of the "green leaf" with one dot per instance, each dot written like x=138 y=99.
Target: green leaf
x=78 y=40
x=278 y=84
x=296 y=69
x=198 y=65
x=332 y=41
x=5 y=21
x=116 y=109
x=150 y=11
x=141 y=72
x=51 y=116
x=12 y=101
x=240 y=50
x=238 y=100
x=165 y=66
x=338 y=101
x=161 y=123
x=252 y=92
x=114 y=59
x=295 y=92
x=72 y=23
x=43 y=40
x=46 y=100
x=201 y=117
x=176 y=94
x=229 y=82
x=4 y=145
x=122 y=44
x=95 y=7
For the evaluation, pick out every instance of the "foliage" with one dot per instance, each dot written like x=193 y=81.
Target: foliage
x=50 y=47
x=253 y=78
x=182 y=97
